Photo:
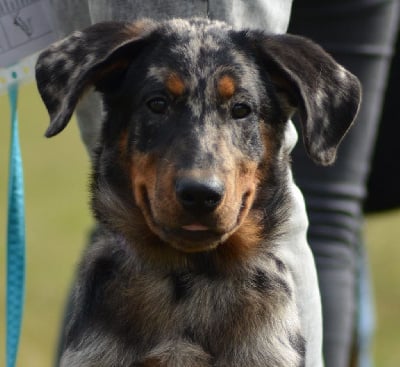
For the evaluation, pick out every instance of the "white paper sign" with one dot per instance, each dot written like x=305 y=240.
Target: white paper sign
x=25 y=28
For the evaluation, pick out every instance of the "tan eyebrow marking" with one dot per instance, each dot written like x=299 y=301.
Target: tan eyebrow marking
x=226 y=87
x=175 y=84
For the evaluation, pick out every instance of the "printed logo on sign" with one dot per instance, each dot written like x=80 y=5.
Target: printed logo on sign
x=24 y=29
x=24 y=24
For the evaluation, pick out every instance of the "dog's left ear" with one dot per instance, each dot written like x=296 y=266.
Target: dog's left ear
x=326 y=95
x=86 y=58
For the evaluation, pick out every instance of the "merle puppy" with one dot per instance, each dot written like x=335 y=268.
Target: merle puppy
x=200 y=258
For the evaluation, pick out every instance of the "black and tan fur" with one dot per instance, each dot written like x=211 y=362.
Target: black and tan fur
x=190 y=188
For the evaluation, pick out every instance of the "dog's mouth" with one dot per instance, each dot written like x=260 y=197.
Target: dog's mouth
x=193 y=240
x=188 y=233
x=193 y=237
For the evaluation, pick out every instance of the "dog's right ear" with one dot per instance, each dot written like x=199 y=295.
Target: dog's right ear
x=68 y=67
x=325 y=95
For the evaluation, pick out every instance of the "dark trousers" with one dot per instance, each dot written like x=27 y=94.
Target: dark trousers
x=360 y=34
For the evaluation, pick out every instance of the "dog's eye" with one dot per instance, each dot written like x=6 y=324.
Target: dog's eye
x=240 y=110
x=158 y=105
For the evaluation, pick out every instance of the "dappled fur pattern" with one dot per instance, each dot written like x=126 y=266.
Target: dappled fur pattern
x=191 y=188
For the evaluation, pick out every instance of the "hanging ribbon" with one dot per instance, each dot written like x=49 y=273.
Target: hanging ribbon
x=26 y=27
x=15 y=238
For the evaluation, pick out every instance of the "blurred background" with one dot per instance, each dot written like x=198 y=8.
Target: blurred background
x=58 y=221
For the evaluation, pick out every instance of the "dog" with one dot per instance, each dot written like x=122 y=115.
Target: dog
x=200 y=256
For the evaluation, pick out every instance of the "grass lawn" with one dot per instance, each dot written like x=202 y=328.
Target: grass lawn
x=58 y=220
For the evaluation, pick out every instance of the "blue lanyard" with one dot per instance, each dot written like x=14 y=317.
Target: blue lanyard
x=15 y=239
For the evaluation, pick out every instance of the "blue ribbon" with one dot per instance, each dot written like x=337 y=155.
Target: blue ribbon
x=15 y=239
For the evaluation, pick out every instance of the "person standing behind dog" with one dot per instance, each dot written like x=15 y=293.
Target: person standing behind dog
x=70 y=15
x=333 y=195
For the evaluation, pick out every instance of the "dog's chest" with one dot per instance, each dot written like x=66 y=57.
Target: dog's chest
x=247 y=314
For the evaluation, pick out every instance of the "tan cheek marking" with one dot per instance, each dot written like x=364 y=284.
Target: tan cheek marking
x=175 y=84
x=243 y=243
x=226 y=87
x=153 y=193
x=143 y=177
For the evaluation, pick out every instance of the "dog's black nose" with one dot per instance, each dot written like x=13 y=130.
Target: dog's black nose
x=200 y=196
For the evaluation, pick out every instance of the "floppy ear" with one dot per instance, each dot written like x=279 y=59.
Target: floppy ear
x=326 y=95
x=68 y=67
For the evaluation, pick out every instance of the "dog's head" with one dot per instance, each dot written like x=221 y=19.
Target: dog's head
x=195 y=115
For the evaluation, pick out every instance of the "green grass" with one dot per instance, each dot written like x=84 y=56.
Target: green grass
x=383 y=234
x=58 y=219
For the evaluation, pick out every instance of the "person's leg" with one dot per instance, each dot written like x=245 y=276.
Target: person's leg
x=269 y=15
x=360 y=35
